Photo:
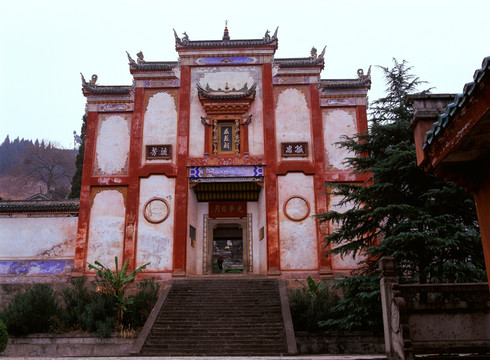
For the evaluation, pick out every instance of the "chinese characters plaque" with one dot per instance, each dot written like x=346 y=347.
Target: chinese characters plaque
x=227 y=209
x=226 y=138
x=294 y=149
x=158 y=152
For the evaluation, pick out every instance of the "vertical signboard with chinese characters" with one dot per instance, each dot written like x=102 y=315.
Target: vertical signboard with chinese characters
x=226 y=143
x=294 y=149
x=218 y=209
x=158 y=152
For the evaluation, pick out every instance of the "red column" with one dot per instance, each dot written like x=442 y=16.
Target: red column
x=324 y=263
x=181 y=184
x=132 y=197
x=361 y=116
x=271 y=206
x=482 y=202
x=84 y=210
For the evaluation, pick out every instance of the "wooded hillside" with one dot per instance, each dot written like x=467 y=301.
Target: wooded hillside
x=28 y=168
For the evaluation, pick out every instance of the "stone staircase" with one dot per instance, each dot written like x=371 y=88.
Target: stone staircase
x=220 y=317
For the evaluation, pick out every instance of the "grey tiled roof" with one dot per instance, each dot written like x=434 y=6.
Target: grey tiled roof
x=98 y=89
x=300 y=62
x=365 y=81
x=459 y=101
x=26 y=206
x=154 y=65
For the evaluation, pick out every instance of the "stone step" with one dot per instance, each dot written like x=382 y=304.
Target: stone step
x=219 y=317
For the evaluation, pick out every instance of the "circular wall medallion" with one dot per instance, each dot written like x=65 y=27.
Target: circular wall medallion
x=296 y=208
x=156 y=210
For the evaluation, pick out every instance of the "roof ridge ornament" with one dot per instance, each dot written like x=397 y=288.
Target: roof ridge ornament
x=177 y=39
x=226 y=33
x=91 y=83
x=321 y=56
x=131 y=61
x=274 y=37
x=141 y=58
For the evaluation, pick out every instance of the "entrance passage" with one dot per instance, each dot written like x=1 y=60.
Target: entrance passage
x=227 y=246
x=227 y=249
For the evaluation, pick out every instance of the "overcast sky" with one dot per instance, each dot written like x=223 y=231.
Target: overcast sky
x=44 y=45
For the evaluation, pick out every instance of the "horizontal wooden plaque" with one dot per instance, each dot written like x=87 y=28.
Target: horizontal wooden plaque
x=219 y=209
x=159 y=152
x=294 y=149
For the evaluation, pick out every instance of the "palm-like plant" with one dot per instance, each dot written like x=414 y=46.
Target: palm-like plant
x=115 y=283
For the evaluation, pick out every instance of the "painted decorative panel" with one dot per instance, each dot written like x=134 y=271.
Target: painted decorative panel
x=160 y=124
x=298 y=241
x=292 y=119
x=155 y=239
x=112 y=147
x=336 y=123
x=35 y=267
x=218 y=78
x=106 y=230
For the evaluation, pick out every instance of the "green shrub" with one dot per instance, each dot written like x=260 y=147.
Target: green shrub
x=88 y=310
x=141 y=304
x=4 y=337
x=33 y=311
x=75 y=299
x=311 y=304
x=359 y=307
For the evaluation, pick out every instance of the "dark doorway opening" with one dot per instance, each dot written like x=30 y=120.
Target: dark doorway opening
x=227 y=254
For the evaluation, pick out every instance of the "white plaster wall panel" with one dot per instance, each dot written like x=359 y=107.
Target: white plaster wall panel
x=192 y=219
x=339 y=262
x=106 y=230
x=202 y=209
x=24 y=237
x=217 y=77
x=292 y=121
x=252 y=208
x=298 y=243
x=262 y=258
x=112 y=148
x=160 y=124
x=155 y=241
x=337 y=123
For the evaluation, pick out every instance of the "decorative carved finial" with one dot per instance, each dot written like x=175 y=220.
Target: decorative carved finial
x=320 y=57
x=185 y=38
x=93 y=80
x=275 y=34
x=267 y=36
x=131 y=61
x=84 y=83
x=176 y=36
x=226 y=33
x=313 y=53
x=360 y=73
x=141 y=58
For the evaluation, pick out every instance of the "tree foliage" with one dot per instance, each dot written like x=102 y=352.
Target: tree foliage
x=428 y=225
x=76 y=182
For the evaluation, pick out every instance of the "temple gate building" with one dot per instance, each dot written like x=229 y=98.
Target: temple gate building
x=217 y=162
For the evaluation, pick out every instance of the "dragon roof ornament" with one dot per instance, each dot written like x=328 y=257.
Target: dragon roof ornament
x=141 y=64
x=92 y=87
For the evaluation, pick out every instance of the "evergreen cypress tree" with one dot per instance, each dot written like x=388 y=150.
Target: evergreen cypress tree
x=76 y=182
x=428 y=225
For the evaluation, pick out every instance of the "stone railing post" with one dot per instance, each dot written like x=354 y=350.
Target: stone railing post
x=388 y=277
